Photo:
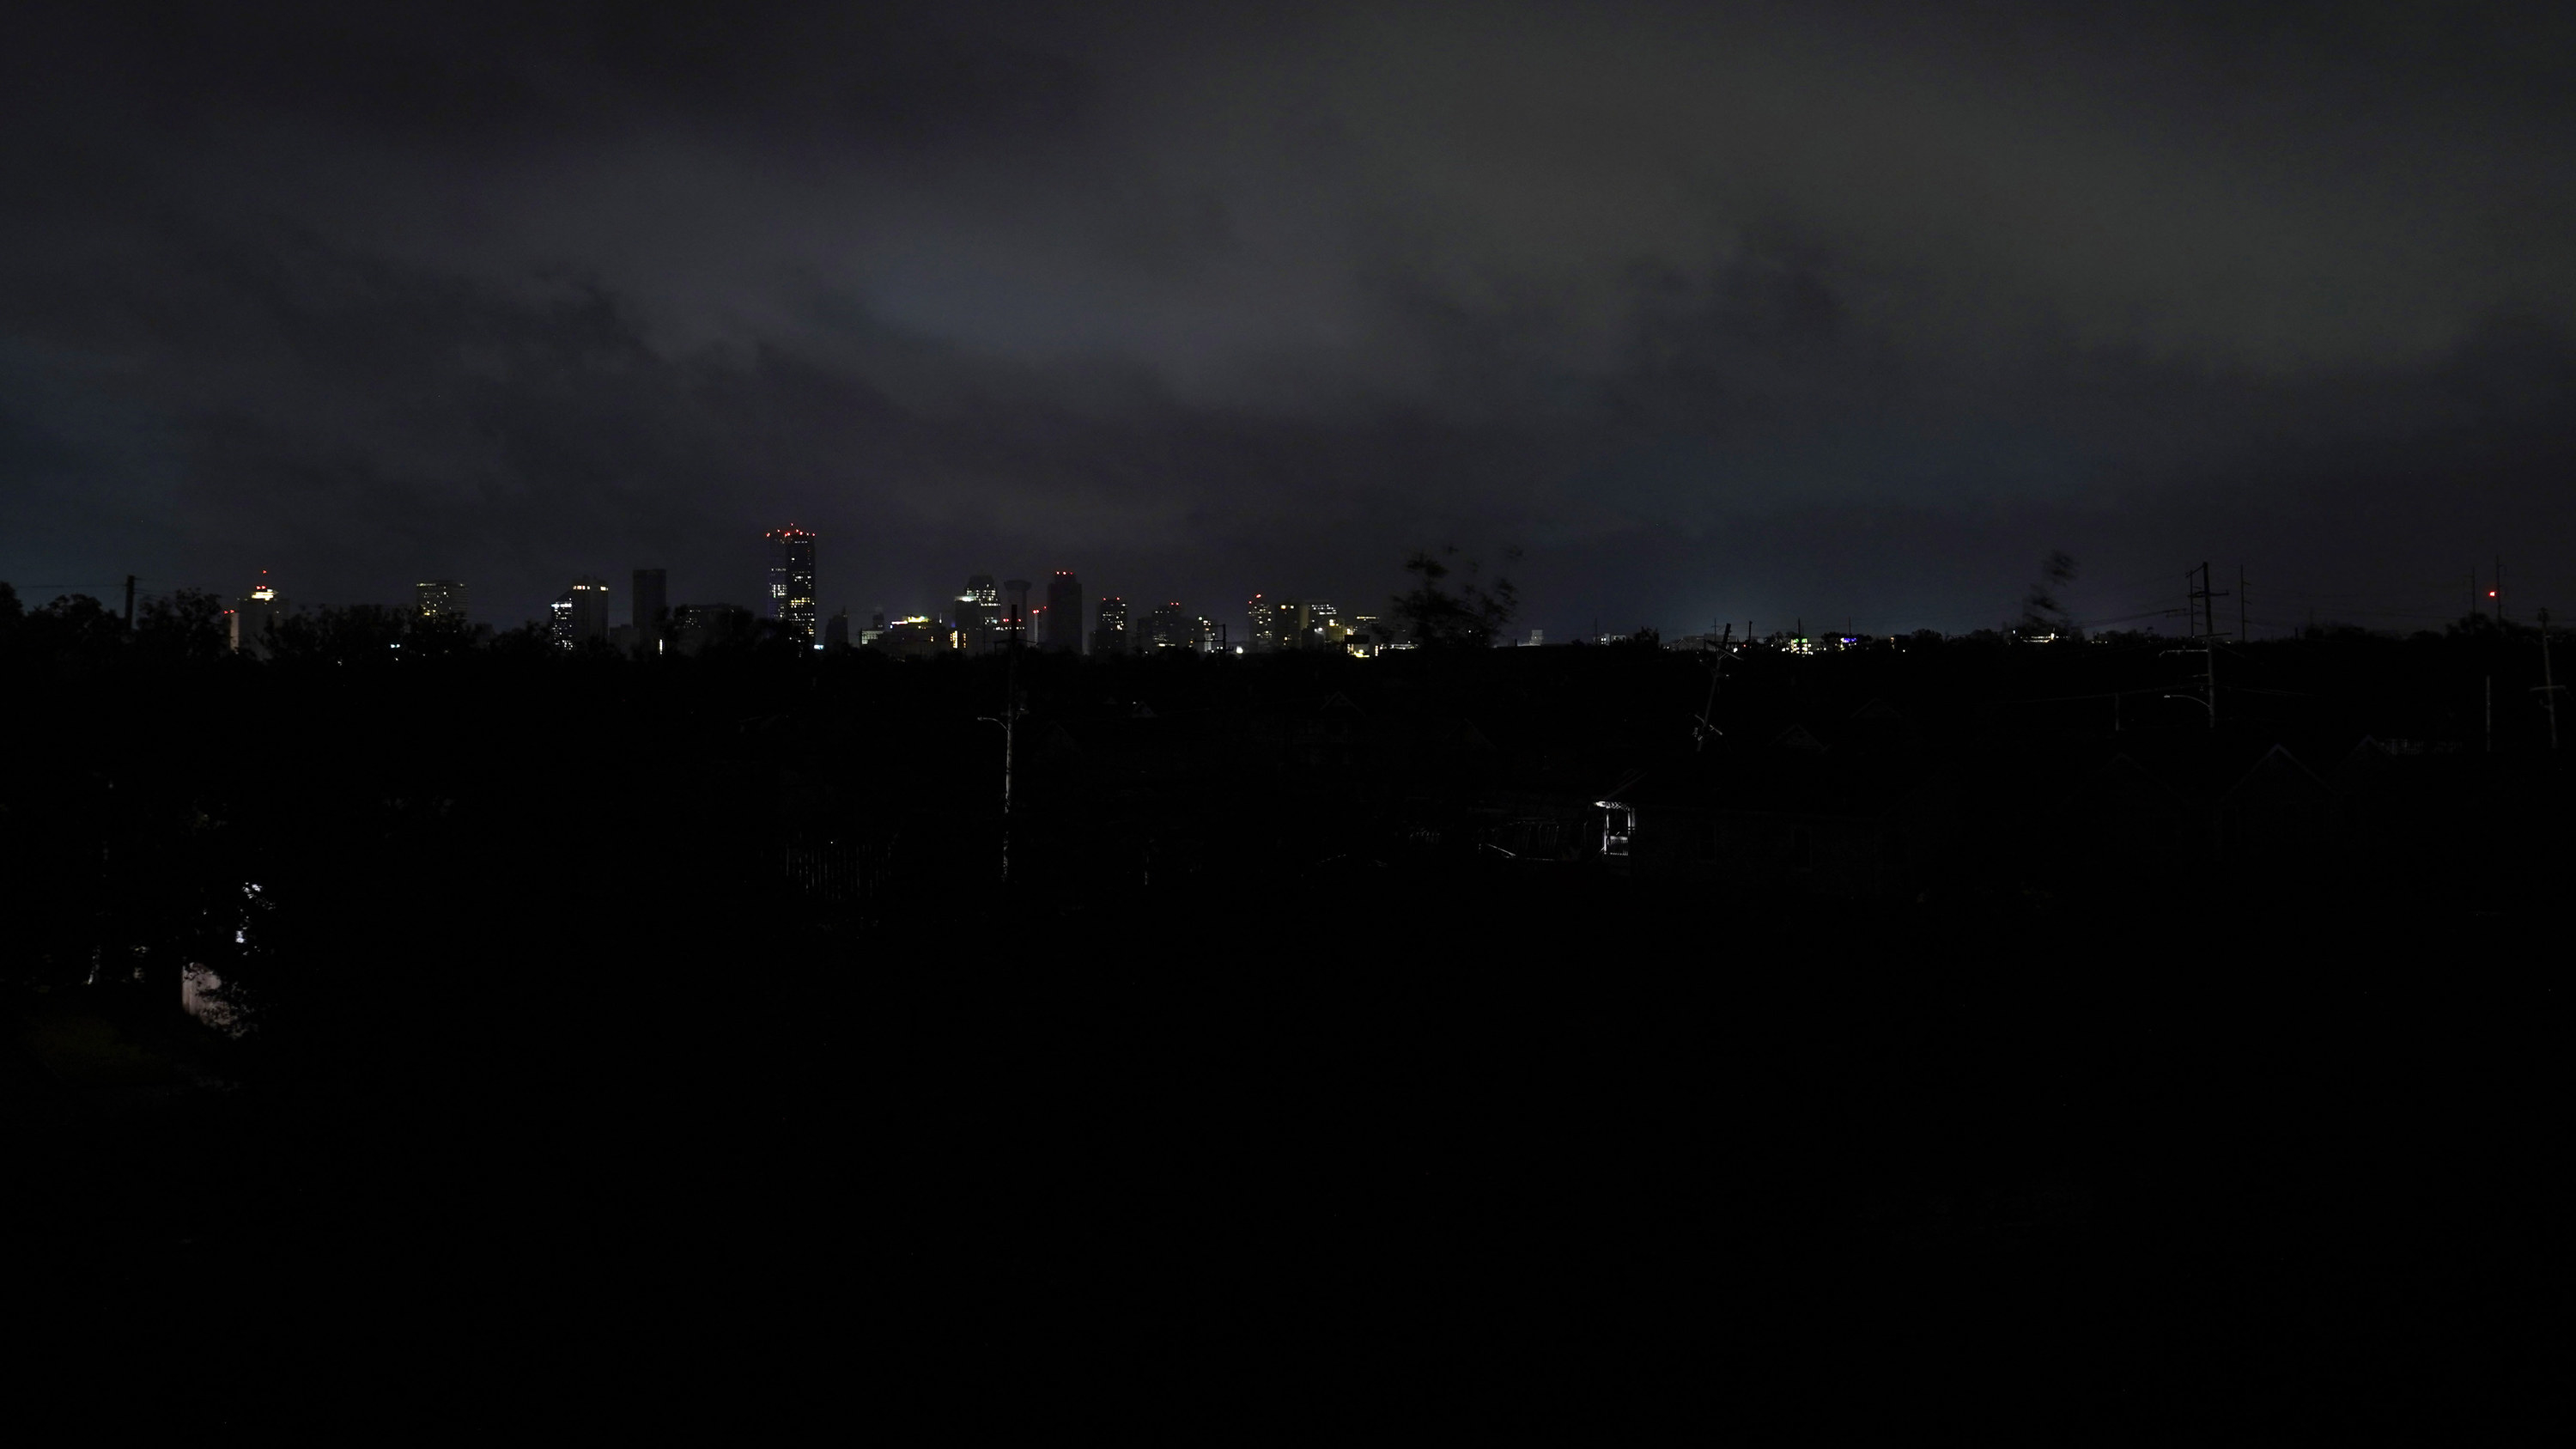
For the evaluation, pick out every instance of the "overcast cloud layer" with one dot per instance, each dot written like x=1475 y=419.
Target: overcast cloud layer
x=1834 y=312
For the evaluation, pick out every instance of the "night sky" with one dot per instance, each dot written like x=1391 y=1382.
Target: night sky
x=1821 y=311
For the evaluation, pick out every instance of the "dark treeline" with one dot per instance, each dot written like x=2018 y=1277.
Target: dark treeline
x=1967 y=1035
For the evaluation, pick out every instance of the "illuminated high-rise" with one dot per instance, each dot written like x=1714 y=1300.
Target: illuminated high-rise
x=1063 y=614
x=579 y=615
x=441 y=599
x=791 y=581
x=252 y=614
x=1109 y=627
x=979 y=615
x=1264 y=618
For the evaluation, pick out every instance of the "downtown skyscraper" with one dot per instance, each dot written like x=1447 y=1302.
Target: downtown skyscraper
x=440 y=599
x=652 y=603
x=580 y=615
x=1063 y=614
x=791 y=582
x=979 y=615
x=1109 y=629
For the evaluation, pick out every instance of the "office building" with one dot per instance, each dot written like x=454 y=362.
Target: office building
x=791 y=581
x=652 y=611
x=1299 y=624
x=1063 y=632
x=696 y=626
x=1015 y=612
x=1263 y=616
x=979 y=615
x=580 y=614
x=836 y=631
x=1109 y=627
x=252 y=614
x=441 y=599
x=1169 y=627
x=916 y=637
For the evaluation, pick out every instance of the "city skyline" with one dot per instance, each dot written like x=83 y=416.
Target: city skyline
x=986 y=615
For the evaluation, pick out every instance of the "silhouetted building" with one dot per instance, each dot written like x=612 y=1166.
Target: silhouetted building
x=1363 y=638
x=696 y=626
x=791 y=581
x=836 y=631
x=1169 y=627
x=979 y=615
x=1109 y=627
x=652 y=611
x=580 y=614
x=1015 y=612
x=1064 y=613
x=1263 y=616
x=919 y=636
x=1307 y=624
x=253 y=613
x=441 y=599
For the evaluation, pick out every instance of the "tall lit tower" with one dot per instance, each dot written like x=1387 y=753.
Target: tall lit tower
x=791 y=581
x=251 y=616
x=979 y=614
x=1109 y=627
x=1063 y=614
x=441 y=599
x=580 y=614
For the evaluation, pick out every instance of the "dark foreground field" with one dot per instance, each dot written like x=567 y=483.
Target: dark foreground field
x=1545 y=1151
x=649 y=1047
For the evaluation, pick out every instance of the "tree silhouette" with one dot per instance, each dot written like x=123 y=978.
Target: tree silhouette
x=188 y=625
x=1468 y=616
x=2042 y=613
x=74 y=626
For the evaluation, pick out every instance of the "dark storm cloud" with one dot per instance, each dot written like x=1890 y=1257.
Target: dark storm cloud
x=1774 y=308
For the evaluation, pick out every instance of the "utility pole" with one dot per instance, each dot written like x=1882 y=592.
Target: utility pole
x=2548 y=690
x=2201 y=606
x=2208 y=697
x=1717 y=671
x=1010 y=723
x=2204 y=625
x=2499 y=588
x=2242 y=633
